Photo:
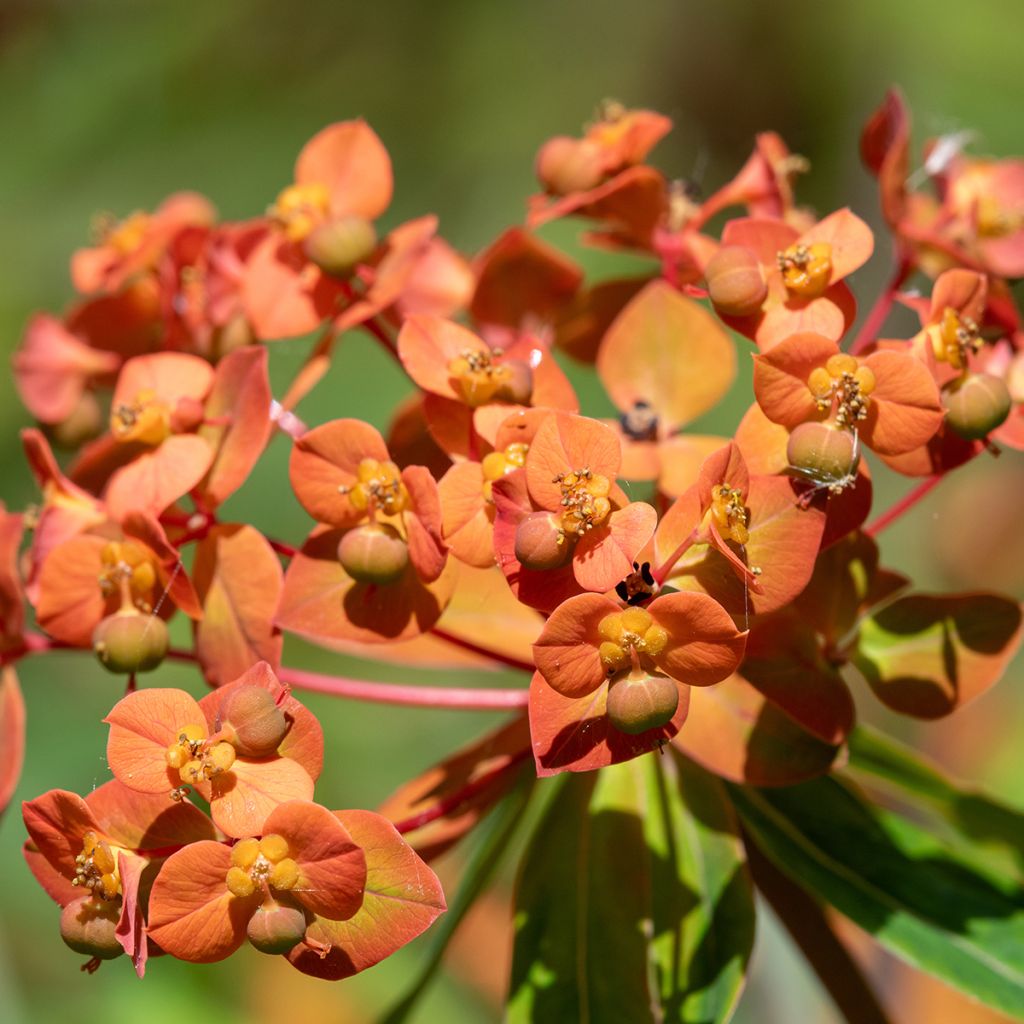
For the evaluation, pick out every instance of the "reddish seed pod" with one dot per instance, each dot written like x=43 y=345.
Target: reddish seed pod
x=337 y=246
x=977 y=405
x=540 y=544
x=566 y=165
x=276 y=928
x=735 y=280
x=823 y=452
x=254 y=724
x=188 y=415
x=129 y=641
x=87 y=925
x=518 y=384
x=638 y=702
x=374 y=553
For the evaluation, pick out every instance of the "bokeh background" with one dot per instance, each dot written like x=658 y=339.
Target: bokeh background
x=112 y=104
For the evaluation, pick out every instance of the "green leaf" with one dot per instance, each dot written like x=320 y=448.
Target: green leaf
x=898 y=882
x=493 y=837
x=988 y=831
x=633 y=905
x=926 y=654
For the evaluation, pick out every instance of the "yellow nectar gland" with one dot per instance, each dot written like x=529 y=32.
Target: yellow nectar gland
x=627 y=635
x=257 y=864
x=300 y=208
x=954 y=338
x=729 y=514
x=477 y=377
x=379 y=488
x=127 y=566
x=585 y=502
x=497 y=464
x=842 y=384
x=96 y=868
x=143 y=420
x=993 y=220
x=196 y=759
x=806 y=269
x=125 y=235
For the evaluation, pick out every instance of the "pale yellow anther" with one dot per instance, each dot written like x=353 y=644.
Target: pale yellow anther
x=240 y=882
x=274 y=848
x=655 y=640
x=192 y=734
x=806 y=269
x=865 y=379
x=221 y=757
x=284 y=874
x=245 y=852
x=192 y=772
x=378 y=486
x=841 y=363
x=494 y=465
x=637 y=620
x=610 y=627
x=612 y=656
x=300 y=208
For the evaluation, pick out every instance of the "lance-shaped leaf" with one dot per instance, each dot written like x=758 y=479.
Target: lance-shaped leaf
x=633 y=901
x=401 y=899
x=899 y=883
x=926 y=655
x=739 y=734
x=12 y=735
x=239 y=580
x=669 y=351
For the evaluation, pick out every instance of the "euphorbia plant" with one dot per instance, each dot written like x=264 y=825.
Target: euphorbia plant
x=688 y=613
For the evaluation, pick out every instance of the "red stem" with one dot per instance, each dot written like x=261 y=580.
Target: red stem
x=661 y=573
x=378 y=332
x=880 y=310
x=407 y=696
x=469 y=645
x=460 y=797
x=282 y=549
x=907 y=502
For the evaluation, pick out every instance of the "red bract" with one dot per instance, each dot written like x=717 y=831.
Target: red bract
x=562 y=522
x=206 y=896
x=163 y=741
x=803 y=274
x=104 y=847
x=377 y=569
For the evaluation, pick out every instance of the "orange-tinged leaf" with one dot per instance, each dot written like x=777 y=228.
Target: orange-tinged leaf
x=904 y=411
x=738 y=734
x=191 y=913
x=927 y=655
x=240 y=394
x=242 y=797
x=56 y=886
x=565 y=443
x=131 y=927
x=604 y=556
x=428 y=344
x=142 y=726
x=850 y=238
x=669 y=351
x=428 y=552
x=780 y=377
x=964 y=291
x=12 y=735
x=681 y=457
x=320 y=601
x=239 y=580
x=332 y=868
x=467 y=520
x=56 y=823
x=147 y=821
x=170 y=570
x=348 y=158
x=566 y=652
x=155 y=479
x=169 y=376
x=403 y=897
x=704 y=645
x=70 y=602
x=573 y=734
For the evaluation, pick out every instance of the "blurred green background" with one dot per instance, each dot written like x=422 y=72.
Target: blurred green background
x=112 y=104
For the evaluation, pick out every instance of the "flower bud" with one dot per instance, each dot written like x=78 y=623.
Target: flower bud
x=87 y=925
x=566 y=165
x=517 y=385
x=736 y=282
x=977 y=405
x=540 y=542
x=336 y=246
x=253 y=723
x=276 y=928
x=128 y=641
x=85 y=423
x=823 y=452
x=375 y=553
x=638 y=702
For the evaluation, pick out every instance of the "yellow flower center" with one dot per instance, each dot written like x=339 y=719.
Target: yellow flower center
x=125 y=235
x=497 y=464
x=585 y=502
x=378 y=488
x=195 y=758
x=96 y=868
x=128 y=567
x=954 y=338
x=843 y=385
x=300 y=208
x=144 y=420
x=806 y=269
x=261 y=864
x=626 y=636
x=994 y=220
x=729 y=514
x=477 y=378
